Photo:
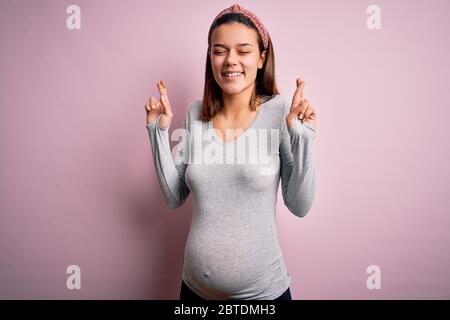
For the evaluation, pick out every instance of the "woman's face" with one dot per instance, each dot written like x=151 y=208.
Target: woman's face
x=234 y=47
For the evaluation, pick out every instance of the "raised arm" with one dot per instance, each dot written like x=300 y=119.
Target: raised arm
x=170 y=169
x=298 y=180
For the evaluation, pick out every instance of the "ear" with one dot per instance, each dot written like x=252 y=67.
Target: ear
x=262 y=59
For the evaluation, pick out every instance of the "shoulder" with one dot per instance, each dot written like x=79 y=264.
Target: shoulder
x=193 y=110
x=277 y=107
x=285 y=102
x=280 y=101
x=195 y=105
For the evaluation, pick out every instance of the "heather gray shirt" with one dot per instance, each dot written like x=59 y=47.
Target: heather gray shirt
x=232 y=250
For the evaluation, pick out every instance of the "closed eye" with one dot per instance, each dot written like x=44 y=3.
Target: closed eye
x=220 y=52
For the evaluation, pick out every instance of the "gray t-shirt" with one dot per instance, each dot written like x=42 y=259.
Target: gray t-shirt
x=232 y=250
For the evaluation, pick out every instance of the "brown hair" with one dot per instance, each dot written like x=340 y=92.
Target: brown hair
x=265 y=78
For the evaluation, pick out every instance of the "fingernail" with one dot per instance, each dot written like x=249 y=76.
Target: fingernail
x=301 y=116
x=163 y=97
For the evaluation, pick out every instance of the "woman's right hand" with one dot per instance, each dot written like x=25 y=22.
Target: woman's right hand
x=155 y=108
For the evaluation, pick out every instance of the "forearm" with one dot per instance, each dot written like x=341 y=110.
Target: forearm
x=300 y=191
x=170 y=176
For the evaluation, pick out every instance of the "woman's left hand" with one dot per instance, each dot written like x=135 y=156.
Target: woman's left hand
x=301 y=108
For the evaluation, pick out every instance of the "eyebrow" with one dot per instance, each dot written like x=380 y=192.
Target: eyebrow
x=239 y=44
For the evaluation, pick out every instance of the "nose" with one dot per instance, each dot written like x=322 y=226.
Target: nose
x=231 y=59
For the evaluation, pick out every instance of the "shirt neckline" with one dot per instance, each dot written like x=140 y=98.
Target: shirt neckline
x=252 y=125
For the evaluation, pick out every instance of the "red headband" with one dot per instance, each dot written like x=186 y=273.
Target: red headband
x=256 y=21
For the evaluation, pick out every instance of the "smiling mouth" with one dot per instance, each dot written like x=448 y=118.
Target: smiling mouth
x=232 y=75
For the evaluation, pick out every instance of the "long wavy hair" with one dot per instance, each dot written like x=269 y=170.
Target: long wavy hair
x=265 y=86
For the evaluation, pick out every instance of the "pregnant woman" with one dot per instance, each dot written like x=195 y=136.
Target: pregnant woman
x=237 y=143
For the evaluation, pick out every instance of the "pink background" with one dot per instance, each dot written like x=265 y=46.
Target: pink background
x=77 y=181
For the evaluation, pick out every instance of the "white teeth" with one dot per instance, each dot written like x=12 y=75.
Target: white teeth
x=235 y=74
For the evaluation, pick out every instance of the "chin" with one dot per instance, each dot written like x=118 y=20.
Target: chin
x=234 y=88
x=229 y=90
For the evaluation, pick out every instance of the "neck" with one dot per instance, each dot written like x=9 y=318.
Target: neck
x=237 y=105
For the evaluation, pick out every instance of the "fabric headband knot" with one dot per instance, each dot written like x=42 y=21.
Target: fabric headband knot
x=256 y=21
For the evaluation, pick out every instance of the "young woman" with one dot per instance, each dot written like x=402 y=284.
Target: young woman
x=232 y=250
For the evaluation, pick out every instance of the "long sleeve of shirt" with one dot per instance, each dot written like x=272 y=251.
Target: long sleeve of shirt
x=170 y=168
x=298 y=181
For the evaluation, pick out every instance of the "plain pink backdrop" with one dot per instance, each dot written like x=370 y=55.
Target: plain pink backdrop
x=77 y=181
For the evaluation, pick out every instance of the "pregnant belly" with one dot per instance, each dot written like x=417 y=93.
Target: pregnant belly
x=231 y=266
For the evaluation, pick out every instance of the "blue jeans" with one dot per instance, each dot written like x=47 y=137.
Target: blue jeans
x=186 y=294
